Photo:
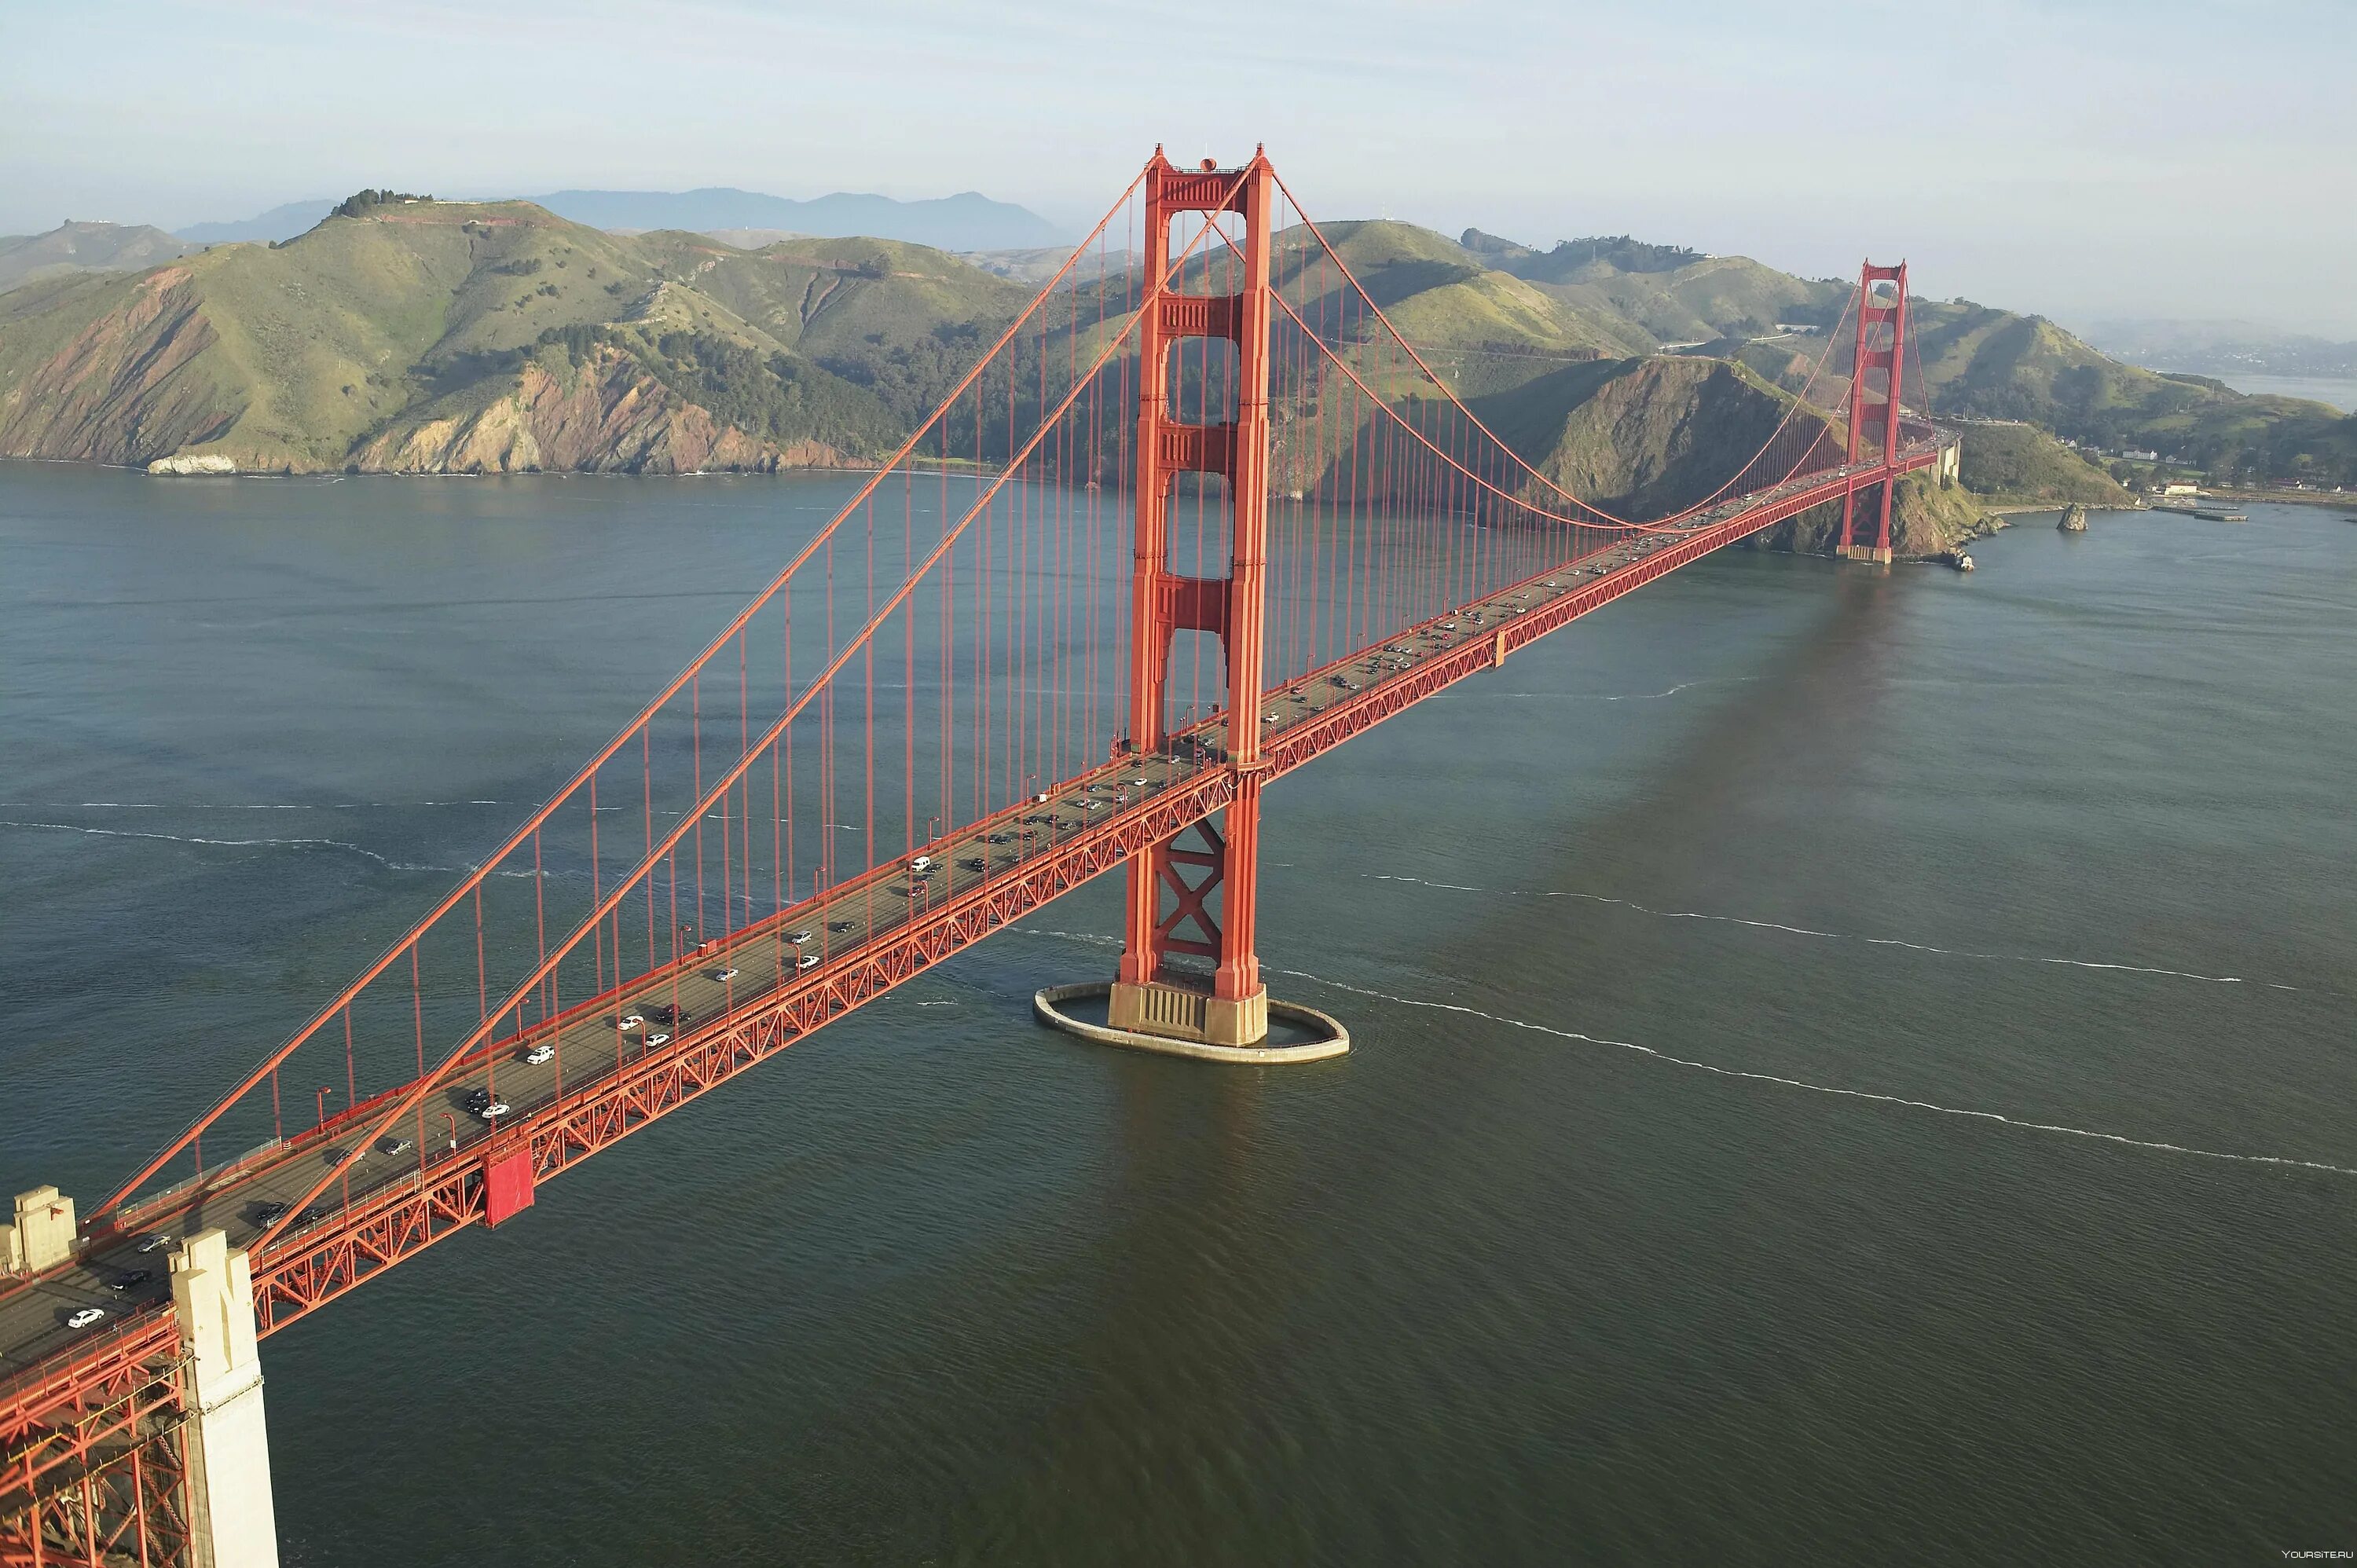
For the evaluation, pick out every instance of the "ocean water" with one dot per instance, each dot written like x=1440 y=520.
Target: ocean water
x=1851 y=1066
x=2341 y=391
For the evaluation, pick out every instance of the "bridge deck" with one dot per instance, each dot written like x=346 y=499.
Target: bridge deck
x=868 y=935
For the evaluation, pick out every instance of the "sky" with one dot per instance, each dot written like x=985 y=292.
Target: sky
x=2088 y=161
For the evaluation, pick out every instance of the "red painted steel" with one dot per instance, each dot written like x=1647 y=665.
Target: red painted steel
x=507 y=1183
x=1417 y=551
x=1880 y=351
x=1234 y=606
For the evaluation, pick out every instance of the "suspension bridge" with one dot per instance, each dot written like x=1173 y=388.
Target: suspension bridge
x=1197 y=517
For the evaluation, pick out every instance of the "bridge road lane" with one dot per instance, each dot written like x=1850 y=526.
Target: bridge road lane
x=33 y=1314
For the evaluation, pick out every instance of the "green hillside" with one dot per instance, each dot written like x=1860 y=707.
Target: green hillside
x=85 y=247
x=420 y=335
x=2012 y=463
x=415 y=335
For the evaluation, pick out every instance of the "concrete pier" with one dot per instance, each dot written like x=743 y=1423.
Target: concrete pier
x=233 y=1520
x=1331 y=1039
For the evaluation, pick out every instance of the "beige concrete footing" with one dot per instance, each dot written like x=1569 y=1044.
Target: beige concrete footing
x=1186 y=1012
x=1866 y=552
x=1048 y=1004
x=232 y=1518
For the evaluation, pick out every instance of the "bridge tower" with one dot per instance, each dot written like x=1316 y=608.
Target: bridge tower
x=1881 y=351
x=1149 y=996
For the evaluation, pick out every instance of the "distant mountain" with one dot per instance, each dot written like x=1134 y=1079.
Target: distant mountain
x=1035 y=265
x=278 y=223
x=968 y=222
x=2224 y=348
x=412 y=336
x=84 y=247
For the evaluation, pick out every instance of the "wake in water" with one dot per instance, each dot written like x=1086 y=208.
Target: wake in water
x=265 y=806
x=2152 y=1145
x=1609 y=697
x=1827 y=936
x=229 y=843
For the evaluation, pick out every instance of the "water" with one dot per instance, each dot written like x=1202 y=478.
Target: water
x=2341 y=391
x=1663 y=1210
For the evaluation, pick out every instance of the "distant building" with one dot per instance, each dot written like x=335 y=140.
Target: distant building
x=2179 y=489
x=2135 y=457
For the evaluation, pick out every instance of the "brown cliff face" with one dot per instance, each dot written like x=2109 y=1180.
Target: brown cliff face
x=127 y=388
x=612 y=417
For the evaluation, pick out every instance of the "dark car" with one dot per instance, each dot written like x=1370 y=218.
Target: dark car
x=972 y=862
x=336 y=1156
x=477 y=1098
x=270 y=1214
x=667 y=1014
x=313 y=1215
x=130 y=1280
x=838 y=927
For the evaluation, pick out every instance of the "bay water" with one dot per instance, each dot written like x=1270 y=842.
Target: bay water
x=1850 y=1067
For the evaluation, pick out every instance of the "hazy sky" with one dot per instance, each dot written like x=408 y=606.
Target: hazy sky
x=2084 y=160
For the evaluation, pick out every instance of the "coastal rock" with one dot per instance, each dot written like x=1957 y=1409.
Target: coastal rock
x=125 y=389
x=2074 y=519
x=194 y=463
x=608 y=415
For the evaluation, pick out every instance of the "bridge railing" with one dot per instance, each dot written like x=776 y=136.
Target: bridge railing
x=949 y=643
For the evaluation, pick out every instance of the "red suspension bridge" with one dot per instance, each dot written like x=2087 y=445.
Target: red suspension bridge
x=1198 y=516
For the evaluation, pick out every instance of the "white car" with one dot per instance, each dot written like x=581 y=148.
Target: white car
x=724 y=973
x=541 y=1053
x=658 y=1038
x=629 y=1021
x=1038 y=799
x=807 y=960
x=797 y=938
x=85 y=1317
x=493 y=1112
x=922 y=862
x=155 y=1243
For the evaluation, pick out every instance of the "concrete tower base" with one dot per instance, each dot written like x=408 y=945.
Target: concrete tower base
x=1050 y=1004
x=233 y=1520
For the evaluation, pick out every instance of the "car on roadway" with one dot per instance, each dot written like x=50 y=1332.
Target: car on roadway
x=156 y=1242
x=1038 y=799
x=658 y=1038
x=493 y=1110
x=629 y=1021
x=312 y=1215
x=798 y=939
x=838 y=927
x=477 y=1098
x=392 y=1145
x=338 y=1156
x=542 y=1052
x=807 y=960
x=85 y=1316
x=270 y=1214
x=725 y=972
x=667 y=1014
x=975 y=863
x=920 y=864
x=132 y=1280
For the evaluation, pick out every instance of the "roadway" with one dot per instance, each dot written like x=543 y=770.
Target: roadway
x=729 y=976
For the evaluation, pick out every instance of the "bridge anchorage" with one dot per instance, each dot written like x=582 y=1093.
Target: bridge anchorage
x=1153 y=1003
x=957 y=702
